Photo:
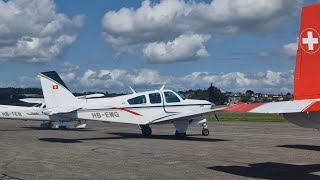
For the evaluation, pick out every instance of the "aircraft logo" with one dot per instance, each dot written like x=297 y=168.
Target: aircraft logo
x=310 y=41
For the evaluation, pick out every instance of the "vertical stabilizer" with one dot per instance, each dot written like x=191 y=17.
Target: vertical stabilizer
x=307 y=77
x=55 y=92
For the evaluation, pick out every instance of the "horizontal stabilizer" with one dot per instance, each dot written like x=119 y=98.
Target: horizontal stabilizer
x=60 y=110
x=91 y=96
x=33 y=100
x=275 y=107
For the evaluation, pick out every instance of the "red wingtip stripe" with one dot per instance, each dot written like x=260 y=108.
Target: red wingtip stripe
x=243 y=107
x=314 y=107
x=129 y=111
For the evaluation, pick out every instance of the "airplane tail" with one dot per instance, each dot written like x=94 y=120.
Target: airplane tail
x=307 y=78
x=55 y=91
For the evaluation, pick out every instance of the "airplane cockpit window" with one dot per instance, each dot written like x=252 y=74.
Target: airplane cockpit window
x=155 y=98
x=138 y=100
x=181 y=95
x=171 y=97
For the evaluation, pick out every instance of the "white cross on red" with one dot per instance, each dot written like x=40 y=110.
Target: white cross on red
x=310 y=40
x=55 y=87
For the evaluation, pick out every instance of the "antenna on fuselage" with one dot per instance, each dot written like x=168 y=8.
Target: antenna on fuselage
x=133 y=91
x=162 y=87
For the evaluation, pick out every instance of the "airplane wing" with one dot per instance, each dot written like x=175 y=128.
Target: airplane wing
x=184 y=116
x=276 y=107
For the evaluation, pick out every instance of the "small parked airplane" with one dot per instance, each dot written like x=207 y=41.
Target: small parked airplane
x=142 y=108
x=304 y=110
x=35 y=113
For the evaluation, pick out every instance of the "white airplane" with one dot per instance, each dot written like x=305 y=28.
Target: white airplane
x=304 y=110
x=142 y=108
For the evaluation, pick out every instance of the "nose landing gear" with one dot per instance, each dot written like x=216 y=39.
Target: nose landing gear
x=205 y=130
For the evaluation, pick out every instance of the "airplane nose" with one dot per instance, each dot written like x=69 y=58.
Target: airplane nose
x=212 y=105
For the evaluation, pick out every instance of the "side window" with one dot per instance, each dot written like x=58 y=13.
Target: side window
x=155 y=98
x=171 y=97
x=138 y=100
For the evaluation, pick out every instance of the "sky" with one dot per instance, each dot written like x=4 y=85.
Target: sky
x=110 y=45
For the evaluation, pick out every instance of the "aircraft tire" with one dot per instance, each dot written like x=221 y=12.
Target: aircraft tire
x=205 y=132
x=146 y=132
x=180 y=135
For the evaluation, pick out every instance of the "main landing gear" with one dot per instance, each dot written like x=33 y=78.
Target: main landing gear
x=146 y=130
x=182 y=126
x=46 y=125
x=62 y=125
x=180 y=135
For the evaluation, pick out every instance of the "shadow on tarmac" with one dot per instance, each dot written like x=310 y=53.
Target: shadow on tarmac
x=270 y=170
x=304 y=147
x=129 y=136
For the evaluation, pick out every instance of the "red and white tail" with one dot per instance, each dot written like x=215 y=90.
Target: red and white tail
x=307 y=71
x=307 y=76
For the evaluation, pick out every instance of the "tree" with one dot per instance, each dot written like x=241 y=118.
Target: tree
x=216 y=96
x=249 y=92
x=211 y=98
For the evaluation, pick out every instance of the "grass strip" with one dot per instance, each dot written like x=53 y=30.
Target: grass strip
x=228 y=116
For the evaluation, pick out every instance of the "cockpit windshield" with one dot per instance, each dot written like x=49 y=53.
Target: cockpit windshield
x=181 y=95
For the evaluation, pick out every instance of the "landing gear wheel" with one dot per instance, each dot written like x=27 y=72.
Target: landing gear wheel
x=205 y=132
x=146 y=131
x=51 y=125
x=180 y=135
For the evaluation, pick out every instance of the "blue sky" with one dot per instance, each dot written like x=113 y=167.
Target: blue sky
x=109 y=45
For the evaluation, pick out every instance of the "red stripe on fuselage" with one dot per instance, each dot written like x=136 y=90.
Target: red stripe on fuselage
x=129 y=111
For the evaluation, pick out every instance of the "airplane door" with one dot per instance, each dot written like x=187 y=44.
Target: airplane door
x=156 y=99
x=171 y=102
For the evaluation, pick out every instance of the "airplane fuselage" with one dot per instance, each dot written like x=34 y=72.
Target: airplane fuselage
x=140 y=108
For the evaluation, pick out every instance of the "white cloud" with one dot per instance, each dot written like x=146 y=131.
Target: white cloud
x=159 y=23
x=68 y=77
x=290 y=50
x=69 y=67
x=119 y=79
x=26 y=81
x=32 y=31
x=184 y=48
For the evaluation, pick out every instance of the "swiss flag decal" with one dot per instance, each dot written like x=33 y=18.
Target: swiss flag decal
x=54 y=87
